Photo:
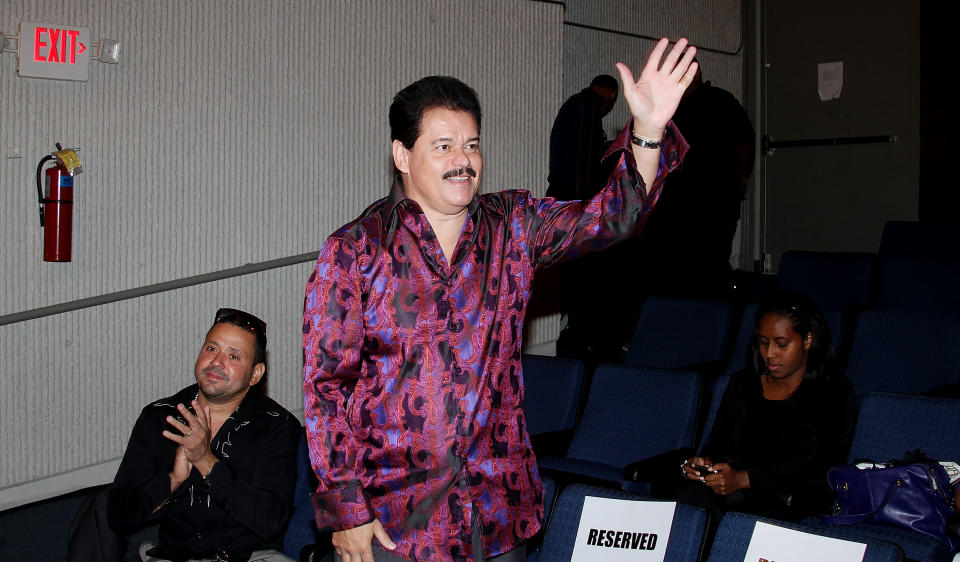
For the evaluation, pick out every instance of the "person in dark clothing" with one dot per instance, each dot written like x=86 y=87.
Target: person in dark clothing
x=782 y=423
x=577 y=142
x=577 y=171
x=214 y=464
x=688 y=238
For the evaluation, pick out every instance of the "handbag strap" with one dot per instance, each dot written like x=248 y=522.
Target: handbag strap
x=861 y=517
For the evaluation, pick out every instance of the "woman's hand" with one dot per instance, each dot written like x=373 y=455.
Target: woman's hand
x=690 y=466
x=725 y=479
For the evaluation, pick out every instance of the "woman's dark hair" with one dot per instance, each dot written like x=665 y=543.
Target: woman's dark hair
x=431 y=92
x=805 y=318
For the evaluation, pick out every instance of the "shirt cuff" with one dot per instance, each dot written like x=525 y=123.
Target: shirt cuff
x=219 y=480
x=672 y=150
x=343 y=508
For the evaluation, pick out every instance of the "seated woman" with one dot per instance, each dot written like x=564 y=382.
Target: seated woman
x=782 y=422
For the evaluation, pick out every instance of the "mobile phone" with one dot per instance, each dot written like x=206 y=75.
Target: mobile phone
x=702 y=470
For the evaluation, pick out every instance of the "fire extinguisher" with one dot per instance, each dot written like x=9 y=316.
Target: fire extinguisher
x=56 y=202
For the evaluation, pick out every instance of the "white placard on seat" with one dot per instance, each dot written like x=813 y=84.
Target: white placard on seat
x=617 y=530
x=773 y=543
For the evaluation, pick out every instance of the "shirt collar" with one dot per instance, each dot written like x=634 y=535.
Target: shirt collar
x=397 y=196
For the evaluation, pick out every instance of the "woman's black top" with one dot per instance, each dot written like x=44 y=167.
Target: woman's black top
x=786 y=446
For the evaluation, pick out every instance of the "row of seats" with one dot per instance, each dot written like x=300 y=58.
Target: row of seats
x=841 y=280
x=888 y=351
x=914 y=270
x=687 y=541
x=632 y=414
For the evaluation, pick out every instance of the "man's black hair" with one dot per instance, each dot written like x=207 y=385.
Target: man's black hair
x=410 y=103
x=606 y=81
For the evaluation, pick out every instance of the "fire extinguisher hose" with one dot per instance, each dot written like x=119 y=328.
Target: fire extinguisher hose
x=43 y=160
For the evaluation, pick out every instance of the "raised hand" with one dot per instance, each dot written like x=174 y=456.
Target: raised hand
x=654 y=96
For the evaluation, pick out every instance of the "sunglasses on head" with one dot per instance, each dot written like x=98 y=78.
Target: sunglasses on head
x=243 y=320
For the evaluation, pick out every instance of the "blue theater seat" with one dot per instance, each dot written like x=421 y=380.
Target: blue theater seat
x=903 y=353
x=888 y=426
x=736 y=529
x=919 y=285
x=680 y=334
x=685 y=544
x=631 y=414
x=833 y=280
x=552 y=388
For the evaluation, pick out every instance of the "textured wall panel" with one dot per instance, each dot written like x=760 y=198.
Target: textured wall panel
x=75 y=382
x=240 y=131
x=713 y=24
x=231 y=132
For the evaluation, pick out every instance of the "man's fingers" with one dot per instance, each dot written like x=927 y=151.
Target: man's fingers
x=674 y=55
x=682 y=69
x=179 y=439
x=178 y=425
x=626 y=77
x=653 y=61
x=187 y=414
x=383 y=536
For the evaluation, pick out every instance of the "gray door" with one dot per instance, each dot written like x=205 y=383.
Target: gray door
x=838 y=197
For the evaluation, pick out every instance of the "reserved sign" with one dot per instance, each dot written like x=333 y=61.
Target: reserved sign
x=623 y=530
x=772 y=543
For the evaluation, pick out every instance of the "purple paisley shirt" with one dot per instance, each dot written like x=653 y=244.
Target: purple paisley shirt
x=413 y=391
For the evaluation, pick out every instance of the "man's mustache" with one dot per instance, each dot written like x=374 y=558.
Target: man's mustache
x=459 y=172
x=217 y=371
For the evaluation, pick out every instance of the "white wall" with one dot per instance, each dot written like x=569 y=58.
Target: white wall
x=231 y=132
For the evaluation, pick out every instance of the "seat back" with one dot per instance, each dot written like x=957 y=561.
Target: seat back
x=920 y=239
x=634 y=413
x=904 y=353
x=549 y=496
x=302 y=529
x=833 y=280
x=679 y=333
x=686 y=541
x=889 y=425
x=552 y=388
x=736 y=529
x=919 y=285
x=716 y=397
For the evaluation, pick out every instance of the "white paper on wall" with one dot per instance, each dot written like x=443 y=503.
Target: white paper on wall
x=829 y=80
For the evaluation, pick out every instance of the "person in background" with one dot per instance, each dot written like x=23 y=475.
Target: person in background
x=577 y=142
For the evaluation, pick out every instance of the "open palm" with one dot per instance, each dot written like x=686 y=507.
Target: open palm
x=653 y=98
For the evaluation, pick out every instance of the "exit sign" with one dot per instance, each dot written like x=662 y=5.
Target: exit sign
x=49 y=50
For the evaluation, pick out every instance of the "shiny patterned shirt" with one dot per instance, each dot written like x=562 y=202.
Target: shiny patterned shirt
x=413 y=392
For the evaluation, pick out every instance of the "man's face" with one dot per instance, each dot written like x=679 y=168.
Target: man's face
x=225 y=369
x=609 y=99
x=442 y=170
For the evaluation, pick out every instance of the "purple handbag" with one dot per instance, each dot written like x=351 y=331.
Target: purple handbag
x=914 y=496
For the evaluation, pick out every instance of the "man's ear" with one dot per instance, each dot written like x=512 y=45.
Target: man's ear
x=258 y=371
x=401 y=157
